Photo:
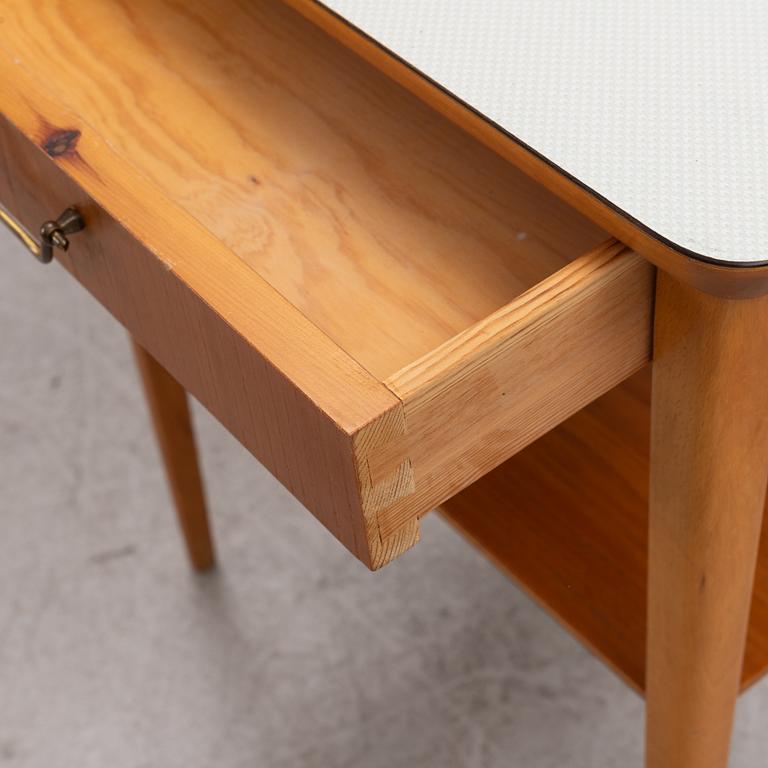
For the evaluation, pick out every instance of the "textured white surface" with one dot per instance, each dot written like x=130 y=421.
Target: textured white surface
x=659 y=106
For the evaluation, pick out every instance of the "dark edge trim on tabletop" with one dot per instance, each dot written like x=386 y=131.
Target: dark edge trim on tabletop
x=682 y=250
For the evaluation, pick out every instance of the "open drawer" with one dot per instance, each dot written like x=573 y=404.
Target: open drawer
x=377 y=306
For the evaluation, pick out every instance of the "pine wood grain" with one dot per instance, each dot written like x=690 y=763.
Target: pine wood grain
x=567 y=518
x=300 y=407
x=709 y=468
x=498 y=386
x=286 y=230
x=167 y=402
x=345 y=192
x=734 y=282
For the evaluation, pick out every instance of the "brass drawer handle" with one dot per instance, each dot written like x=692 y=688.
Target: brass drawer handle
x=52 y=233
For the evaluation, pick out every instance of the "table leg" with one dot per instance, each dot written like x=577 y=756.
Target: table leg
x=167 y=401
x=709 y=466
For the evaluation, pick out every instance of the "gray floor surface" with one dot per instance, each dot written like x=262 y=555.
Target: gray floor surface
x=291 y=654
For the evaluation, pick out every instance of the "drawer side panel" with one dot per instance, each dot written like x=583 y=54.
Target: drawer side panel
x=489 y=392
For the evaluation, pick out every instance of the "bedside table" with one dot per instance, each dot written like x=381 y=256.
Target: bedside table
x=407 y=254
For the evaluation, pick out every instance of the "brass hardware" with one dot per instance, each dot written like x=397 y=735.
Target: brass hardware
x=53 y=234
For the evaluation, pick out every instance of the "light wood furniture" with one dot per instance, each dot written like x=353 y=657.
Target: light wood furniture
x=167 y=403
x=709 y=443
x=567 y=518
x=594 y=110
x=329 y=237
x=388 y=312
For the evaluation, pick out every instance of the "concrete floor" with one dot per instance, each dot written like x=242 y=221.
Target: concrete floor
x=291 y=654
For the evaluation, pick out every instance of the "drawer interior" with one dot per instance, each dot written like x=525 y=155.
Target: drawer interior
x=386 y=225
x=375 y=304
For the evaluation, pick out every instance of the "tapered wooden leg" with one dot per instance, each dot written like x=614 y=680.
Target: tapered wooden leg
x=168 y=406
x=709 y=466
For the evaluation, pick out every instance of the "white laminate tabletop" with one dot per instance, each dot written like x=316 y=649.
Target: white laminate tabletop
x=660 y=107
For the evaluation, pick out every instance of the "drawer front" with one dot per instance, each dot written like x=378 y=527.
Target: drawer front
x=272 y=386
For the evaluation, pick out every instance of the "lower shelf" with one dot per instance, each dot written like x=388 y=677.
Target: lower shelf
x=567 y=519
